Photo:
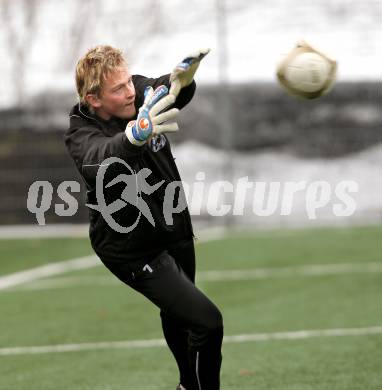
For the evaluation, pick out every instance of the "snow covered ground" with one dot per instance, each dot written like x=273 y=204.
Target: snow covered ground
x=156 y=35
x=329 y=191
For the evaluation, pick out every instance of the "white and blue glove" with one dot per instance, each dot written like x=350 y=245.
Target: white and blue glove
x=184 y=72
x=152 y=116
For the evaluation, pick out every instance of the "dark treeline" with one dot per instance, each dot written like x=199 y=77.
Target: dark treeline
x=262 y=117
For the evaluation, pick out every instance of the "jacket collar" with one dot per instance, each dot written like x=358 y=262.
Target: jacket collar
x=82 y=111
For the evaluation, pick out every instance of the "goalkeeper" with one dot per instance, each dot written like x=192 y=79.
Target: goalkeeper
x=125 y=116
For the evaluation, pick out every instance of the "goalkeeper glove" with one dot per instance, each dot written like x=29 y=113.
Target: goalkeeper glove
x=150 y=121
x=183 y=74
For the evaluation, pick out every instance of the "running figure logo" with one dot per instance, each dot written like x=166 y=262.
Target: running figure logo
x=135 y=185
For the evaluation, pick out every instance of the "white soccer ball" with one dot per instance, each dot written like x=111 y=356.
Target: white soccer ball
x=306 y=73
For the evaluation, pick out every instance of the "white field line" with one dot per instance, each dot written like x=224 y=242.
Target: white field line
x=213 y=276
x=242 y=338
x=281 y=272
x=69 y=281
x=52 y=269
x=47 y=270
x=17 y=232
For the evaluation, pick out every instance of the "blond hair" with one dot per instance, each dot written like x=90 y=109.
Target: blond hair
x=93 y=68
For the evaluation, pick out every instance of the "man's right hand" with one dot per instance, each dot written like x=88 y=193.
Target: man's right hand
x=152 y=116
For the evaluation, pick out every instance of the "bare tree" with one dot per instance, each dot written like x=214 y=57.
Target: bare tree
x=134 y=24
x=85 y=15
x=19 y=40
x=131 y=23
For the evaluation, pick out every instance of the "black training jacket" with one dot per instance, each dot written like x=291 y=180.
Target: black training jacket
x=90 y=140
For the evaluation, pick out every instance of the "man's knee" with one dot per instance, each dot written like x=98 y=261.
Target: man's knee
x=214 y=321
x=208 y=329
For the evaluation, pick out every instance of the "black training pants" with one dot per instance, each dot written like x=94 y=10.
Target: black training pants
x=192 y=324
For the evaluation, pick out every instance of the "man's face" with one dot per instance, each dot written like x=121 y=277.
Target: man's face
x=117 y=96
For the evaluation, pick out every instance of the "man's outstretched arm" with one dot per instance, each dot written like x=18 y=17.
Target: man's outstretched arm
x=141 y=82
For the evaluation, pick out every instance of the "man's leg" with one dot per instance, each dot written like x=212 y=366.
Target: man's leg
x=165 y=283
x=176 y=333
x=177 y=340
x=167 y=286
x=199 y=365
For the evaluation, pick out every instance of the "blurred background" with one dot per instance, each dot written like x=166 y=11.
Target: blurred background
x=276 y=280
x=240 y=123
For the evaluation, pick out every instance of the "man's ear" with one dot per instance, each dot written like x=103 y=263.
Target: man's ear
x=93 y=100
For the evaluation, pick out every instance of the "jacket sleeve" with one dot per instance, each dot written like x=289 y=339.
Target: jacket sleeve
x=89 y=147
x=141 y=82
x=88 y=144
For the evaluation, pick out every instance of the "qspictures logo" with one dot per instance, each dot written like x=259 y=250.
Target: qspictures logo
x=217 y=198
x=135 y=185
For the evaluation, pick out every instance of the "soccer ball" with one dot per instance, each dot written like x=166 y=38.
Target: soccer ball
x=306 y=73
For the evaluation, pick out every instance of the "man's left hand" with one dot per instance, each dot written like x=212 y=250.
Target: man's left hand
x=183 y=73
